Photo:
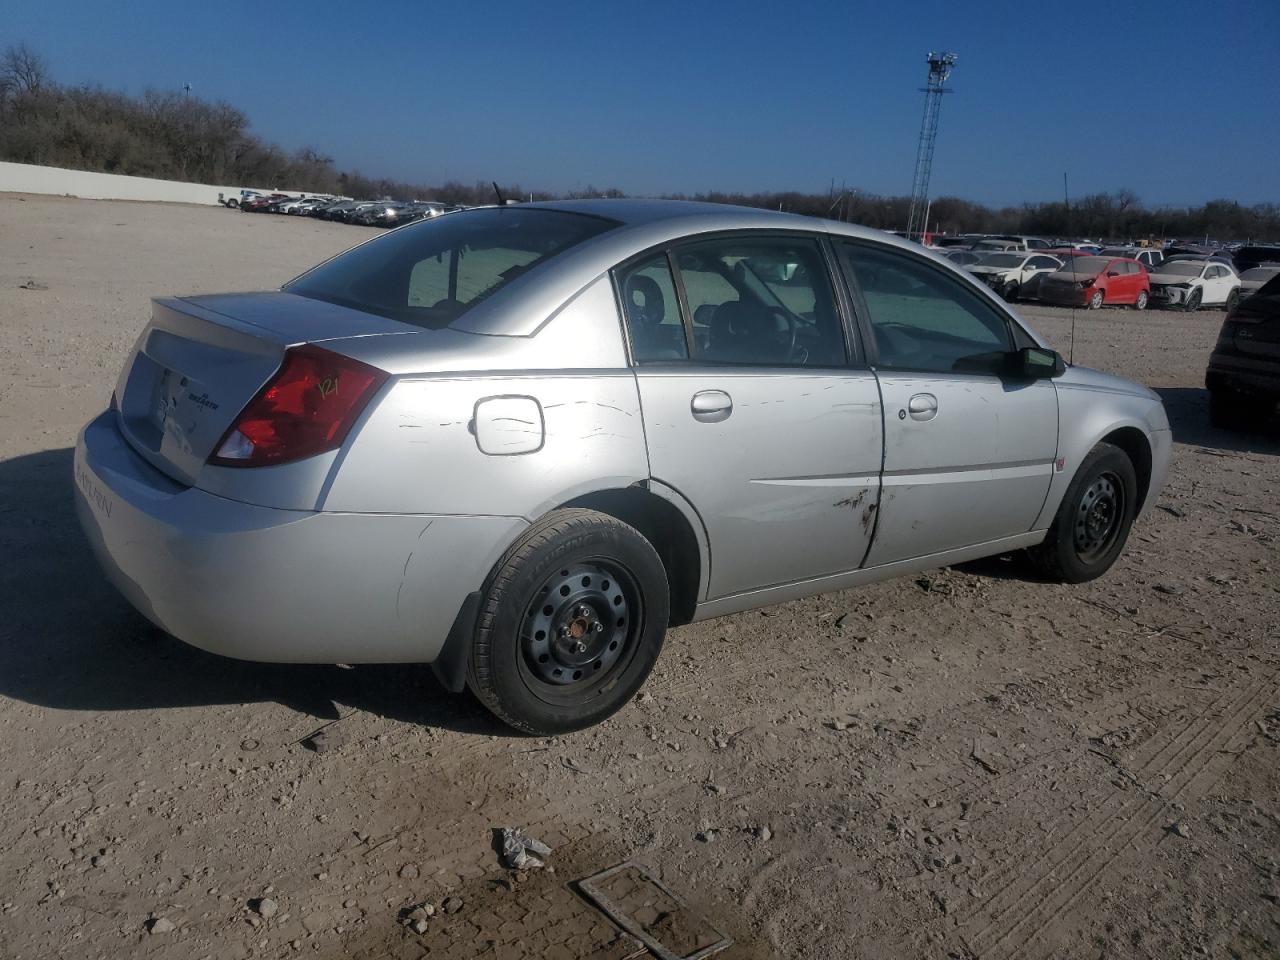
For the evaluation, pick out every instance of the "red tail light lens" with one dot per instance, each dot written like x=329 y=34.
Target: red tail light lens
x=307 y=408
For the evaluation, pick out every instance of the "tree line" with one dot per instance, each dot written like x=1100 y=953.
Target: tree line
x=176 y=136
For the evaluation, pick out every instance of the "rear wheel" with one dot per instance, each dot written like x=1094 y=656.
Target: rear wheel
x=1010 y=292
x=1141 y=302
x=1233 y=300
x=1095 y=300
x=1093 y=520
x=572 y=620
x=1229 y=409
x=1193 y=301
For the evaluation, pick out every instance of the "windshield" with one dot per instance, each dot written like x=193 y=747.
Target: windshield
x=1182 y=268
x=1086 y=265
x=432 y=272
x=1001 y=260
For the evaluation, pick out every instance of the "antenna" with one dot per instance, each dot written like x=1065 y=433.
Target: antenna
x=940 y=65
x=1066 y=199
x=501 y=202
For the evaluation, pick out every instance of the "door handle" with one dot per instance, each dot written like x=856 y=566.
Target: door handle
x=711 y=406
x=923 y=406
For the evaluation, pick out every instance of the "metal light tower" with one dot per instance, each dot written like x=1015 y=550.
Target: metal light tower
x=940 y=65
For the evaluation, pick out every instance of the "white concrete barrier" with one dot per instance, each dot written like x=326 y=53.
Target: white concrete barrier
x=29 y=178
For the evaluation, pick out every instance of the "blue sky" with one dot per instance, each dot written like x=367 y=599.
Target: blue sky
x=1175 y=100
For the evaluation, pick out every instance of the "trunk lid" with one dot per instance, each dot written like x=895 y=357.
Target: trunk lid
x=201 y=360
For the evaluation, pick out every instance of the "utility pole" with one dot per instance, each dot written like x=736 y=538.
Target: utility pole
x=940 y=65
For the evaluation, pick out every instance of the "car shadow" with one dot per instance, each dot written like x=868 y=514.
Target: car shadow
x=69 y=641
x=1188 y=410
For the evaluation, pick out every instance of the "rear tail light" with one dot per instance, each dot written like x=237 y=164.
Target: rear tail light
x=307 y=408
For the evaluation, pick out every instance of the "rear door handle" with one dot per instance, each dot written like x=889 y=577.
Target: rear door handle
x=923 y=406
x=711 y=406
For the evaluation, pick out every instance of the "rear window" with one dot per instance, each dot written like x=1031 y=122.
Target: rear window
x=429 y=274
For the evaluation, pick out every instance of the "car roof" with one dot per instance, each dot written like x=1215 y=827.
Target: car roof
x=642 y=224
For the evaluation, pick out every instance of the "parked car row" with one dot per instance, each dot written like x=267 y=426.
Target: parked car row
x=369 y=213
x=1114 y=277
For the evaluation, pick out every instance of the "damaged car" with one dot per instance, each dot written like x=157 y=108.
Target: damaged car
x=1192 y=284
x=1014 y=275
x=520 y=442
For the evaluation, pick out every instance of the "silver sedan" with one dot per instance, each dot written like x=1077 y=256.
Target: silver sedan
x=520 y=442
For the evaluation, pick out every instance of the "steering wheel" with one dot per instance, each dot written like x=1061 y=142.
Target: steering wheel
x=793 y=329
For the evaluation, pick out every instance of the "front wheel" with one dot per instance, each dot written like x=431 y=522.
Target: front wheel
x=572 y=621
x=1092 y=523
x=1233 y=300
x=1142 y=300
x=1095 y=300
x=1193 y=301
x=1010 y=292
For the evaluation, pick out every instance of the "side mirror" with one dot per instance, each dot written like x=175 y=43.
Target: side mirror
x=1036 y=363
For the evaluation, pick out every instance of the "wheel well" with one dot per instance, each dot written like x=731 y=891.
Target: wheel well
x=1134 y=443
x=664 y=526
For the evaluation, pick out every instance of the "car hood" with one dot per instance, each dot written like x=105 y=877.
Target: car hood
x=1169 y=278
x=984 y=269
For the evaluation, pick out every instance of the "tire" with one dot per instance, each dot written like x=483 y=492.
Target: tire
x=1142 y=300
x=233 y=203
x=1087 y=535
x=547 y=664
x=1233 y=300
x=1228 y=410
x=1193 y=301
x=1010 y=292
x=1096 y=300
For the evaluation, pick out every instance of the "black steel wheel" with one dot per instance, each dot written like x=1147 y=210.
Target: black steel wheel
x=1093 y=520
x=579 y=624
x=572 y=621
x=1098 y=510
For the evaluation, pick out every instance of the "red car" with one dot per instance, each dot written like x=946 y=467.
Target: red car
x=258 y=203
x=1096 y=281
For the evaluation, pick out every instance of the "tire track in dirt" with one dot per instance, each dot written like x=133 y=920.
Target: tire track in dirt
x=1094 y=844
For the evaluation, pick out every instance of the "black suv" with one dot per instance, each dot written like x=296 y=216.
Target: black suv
x=1243 y=378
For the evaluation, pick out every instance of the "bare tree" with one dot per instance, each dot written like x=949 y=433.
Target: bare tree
x=22 y=70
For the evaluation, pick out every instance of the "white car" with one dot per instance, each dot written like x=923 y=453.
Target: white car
x=1251 y=280
x=1014 y=275
x=1192 y=284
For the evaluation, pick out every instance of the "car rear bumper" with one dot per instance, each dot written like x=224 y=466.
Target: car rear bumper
x=1260 y=377
x=285 y=586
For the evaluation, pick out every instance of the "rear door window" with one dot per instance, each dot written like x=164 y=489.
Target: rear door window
x=761 y=300
x=652 y=310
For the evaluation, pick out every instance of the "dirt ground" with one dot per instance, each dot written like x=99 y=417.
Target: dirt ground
x=965 y=764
